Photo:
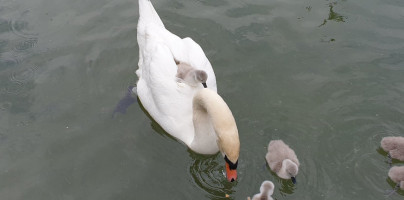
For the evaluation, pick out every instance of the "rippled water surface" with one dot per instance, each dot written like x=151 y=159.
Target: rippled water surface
x=327 y=77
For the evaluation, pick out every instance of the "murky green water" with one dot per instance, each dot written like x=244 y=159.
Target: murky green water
x=327 y=77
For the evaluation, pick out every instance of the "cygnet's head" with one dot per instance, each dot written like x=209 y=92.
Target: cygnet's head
x=195 y=77
x=266 y=190
x=291 y=169
x=267 y=187
x=201 y=76
x=191 y=75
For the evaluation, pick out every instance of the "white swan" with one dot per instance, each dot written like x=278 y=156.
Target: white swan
x=195 y=115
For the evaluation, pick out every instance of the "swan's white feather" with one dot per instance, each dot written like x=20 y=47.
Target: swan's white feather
x=167 y=101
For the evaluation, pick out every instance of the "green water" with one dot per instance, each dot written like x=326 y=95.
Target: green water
x=327 y=77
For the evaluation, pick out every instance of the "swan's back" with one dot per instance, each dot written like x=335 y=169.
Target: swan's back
x=167 y=102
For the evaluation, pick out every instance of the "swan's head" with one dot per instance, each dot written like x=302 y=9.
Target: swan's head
x=291 y=170
x=267 y=187
x=207 y=101
x=228 y=140
x=230 y=149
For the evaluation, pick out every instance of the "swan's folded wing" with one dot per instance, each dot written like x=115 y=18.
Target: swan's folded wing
x=167 y=102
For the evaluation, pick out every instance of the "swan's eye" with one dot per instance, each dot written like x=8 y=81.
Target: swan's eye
x=231 y=165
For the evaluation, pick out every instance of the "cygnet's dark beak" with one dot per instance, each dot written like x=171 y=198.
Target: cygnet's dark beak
x=293 y=180
x=204 y=85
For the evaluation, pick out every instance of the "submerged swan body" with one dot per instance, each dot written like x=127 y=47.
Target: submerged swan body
x=197 y=116
x=282 y=160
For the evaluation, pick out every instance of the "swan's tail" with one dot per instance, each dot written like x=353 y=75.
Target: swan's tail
x=147 y=13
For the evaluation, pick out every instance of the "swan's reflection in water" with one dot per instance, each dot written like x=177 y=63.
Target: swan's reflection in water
x=208 y=173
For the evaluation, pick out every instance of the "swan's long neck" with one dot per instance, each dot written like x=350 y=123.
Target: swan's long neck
x=214 y=124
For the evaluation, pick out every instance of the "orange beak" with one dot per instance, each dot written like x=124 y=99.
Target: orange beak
x=231 y=173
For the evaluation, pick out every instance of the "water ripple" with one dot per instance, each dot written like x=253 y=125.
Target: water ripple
x=24 y=75
x=315 y=175
x=20 y=27
x=26 y=44
x=14 y=89
x=5 y=105
x=9 y=62
x=361 y=170
x=208 y=174
x=20 y=81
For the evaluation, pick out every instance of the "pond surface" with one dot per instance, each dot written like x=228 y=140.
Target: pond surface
x=327 y=77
